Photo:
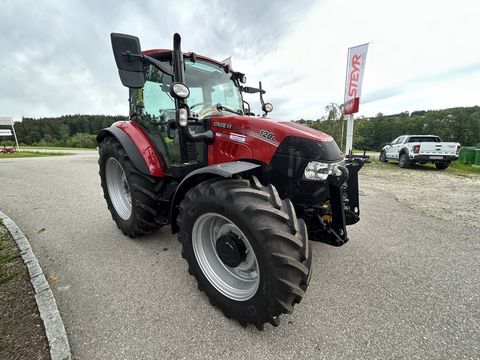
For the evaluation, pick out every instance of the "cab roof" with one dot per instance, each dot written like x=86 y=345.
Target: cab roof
x=165 y=52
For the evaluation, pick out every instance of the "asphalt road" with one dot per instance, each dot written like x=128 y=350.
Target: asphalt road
x=405 y=286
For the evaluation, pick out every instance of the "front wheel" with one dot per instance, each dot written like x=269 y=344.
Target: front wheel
x=382 y=157
x=246 y=248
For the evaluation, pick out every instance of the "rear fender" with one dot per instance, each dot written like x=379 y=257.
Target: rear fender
x=225 y=170
x=137 y=146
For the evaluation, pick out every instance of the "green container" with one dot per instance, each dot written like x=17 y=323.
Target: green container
x=477 y=156
x=467 y=155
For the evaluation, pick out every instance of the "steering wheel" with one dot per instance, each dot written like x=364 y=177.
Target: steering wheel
x=198 y=104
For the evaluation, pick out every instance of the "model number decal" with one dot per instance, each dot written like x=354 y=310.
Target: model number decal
x=267 y=135
x=222 y=125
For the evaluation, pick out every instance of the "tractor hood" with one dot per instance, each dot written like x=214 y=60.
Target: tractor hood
x=306 y=131
x=262 y=139
x=269 y=129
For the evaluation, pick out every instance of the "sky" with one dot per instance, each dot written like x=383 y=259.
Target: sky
x=56 y=56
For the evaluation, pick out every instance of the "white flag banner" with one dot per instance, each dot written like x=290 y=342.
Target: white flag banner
x=5 y=132
x=4 y=120
x=357 y=57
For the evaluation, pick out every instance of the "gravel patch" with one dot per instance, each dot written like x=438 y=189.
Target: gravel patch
x=447 y=196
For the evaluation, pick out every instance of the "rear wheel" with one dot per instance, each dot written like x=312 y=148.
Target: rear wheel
x=246 y=248
x=403 y=161
x=442 y=165
x=131 y=196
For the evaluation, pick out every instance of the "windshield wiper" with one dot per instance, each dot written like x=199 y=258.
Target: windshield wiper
x=220 y=107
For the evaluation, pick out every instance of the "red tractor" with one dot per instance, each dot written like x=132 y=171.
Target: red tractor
x=244 y=193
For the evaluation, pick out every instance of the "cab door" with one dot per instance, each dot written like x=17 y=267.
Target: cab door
x=158 y=117
x=395 y=149
x=389 y=151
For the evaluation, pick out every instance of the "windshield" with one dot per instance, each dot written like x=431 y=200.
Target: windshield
x=421 y=139
x=210 y=85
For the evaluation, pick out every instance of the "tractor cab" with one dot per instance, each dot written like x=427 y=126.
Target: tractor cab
x=213 y=91
x=173 y=96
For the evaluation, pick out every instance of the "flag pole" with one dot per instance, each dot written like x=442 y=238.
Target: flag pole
x=349 y=142
x=15 y=135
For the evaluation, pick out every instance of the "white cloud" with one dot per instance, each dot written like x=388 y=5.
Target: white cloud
x=59 y=61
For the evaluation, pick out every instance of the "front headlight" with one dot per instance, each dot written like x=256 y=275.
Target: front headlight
x=319 y=171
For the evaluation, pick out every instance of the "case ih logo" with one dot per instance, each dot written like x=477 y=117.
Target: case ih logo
x=222 y=125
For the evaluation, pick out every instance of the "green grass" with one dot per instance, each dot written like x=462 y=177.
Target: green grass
x=5 y=258
x=28 y=154
x=464 y=168
x=53 y=147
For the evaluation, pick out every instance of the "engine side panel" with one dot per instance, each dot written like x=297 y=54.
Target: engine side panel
x=262 y=136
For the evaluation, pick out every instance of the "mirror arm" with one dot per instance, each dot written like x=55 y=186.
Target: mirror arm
x=167 y=69
x=147 y=59
x=265 y=112
x=261 y=94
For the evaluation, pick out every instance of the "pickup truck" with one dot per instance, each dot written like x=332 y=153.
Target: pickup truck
x=410 y=149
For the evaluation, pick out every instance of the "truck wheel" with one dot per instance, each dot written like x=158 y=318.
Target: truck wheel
x=382 y=157
x=403 y=161
x=131 y=196
x=442 y=165
x=246 y=248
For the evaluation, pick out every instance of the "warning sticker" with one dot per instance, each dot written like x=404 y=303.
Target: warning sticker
x=237 y=137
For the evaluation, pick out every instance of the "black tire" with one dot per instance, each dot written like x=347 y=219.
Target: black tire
x=279 y=241
x=382 y=157
x=442 y=165
x=403 y=161
x=145 y=212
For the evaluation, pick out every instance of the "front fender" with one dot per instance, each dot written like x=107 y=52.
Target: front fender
x=225 y=170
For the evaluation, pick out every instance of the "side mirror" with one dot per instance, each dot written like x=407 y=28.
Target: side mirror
x=130 y=68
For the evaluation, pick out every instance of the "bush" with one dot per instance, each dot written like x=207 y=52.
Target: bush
x=82 y=140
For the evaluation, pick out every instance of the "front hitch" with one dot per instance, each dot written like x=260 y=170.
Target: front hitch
x=344 y=203
x=353 y=206
x=337 y=231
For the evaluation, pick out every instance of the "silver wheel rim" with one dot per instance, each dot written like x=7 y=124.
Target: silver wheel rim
x=118 y=189
x=239 y=283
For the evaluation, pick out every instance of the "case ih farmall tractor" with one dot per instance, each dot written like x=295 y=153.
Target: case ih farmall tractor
x=244 y=193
